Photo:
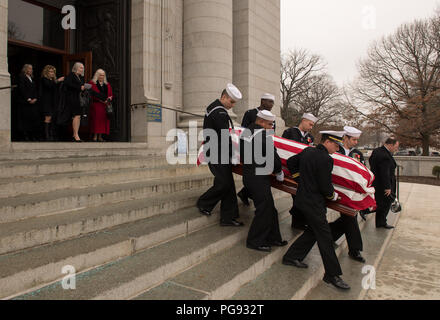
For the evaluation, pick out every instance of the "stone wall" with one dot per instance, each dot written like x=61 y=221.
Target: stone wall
x=5 y=95
x=156 y=72
x=416 y=166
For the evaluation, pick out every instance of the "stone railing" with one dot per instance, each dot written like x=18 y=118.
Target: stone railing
x=417 y=166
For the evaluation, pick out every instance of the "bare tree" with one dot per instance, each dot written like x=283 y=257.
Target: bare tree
x=296 y=69
x=319 y=95
x=399 y=82
x=307 y=88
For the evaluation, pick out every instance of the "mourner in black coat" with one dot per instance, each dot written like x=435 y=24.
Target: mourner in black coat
x=48 y=94
x=29 y=113
x=265 y=230
x=249 y=118
x=346 y=224
x=73 y=84
x=302 y=135
x=217 y=119
x=315 y=166
x=384 y=166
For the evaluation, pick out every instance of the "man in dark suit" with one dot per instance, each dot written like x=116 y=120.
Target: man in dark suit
x=267 y=103
x=302 y=135
x=315 y=166
x=345 y=224
x=384 y=166
x=218 y=120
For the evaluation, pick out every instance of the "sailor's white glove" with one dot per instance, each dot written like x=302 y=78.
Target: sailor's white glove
x=280 y=176
x=336 y=197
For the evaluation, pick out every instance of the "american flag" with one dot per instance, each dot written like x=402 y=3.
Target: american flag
x=352 y=180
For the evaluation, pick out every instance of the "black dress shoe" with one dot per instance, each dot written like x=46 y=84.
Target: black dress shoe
x=205 y=212
x=243 y=199
x=363 y=215
x=388 y=227
x=279 y=243
x=337 y=282
x=357 y=256
x=295 y=263
x=261 y=248
x=233 y=223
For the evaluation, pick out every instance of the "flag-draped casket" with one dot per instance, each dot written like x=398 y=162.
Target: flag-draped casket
x=352 y=180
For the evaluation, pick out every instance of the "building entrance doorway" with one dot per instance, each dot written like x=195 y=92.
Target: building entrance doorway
x=101 y=41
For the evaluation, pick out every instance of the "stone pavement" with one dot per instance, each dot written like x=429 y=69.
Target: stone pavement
x=410 y=267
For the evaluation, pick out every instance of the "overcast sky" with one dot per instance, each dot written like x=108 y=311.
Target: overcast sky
x=341 y=30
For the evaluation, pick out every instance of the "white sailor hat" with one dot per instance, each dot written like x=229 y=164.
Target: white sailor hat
x=233 y=92
x=336 y=136
x=310 y=117
x=266 y=115
x=268 y=96
x=352 y=132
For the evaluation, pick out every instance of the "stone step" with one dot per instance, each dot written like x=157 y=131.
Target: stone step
x=11 y=187
x=35 y=151
x=26 y=168
x=37 y=231
x=49 y=203
x=282 y=282
x=219 y=277
x=36 y=266
x=130 y=276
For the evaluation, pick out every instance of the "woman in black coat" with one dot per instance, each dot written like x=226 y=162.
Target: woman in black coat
x=74 y=84
x=48 y=94
x=28 y=112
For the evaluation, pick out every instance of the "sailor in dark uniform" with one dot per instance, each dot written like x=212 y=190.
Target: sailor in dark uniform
x=302 y=135
x=315 y=189
x=219 y=159
x=267 y=103
x=345 y=224
x=260 y=159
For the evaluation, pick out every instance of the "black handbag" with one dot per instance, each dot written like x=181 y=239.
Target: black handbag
x=109 y=110
x=84 y=101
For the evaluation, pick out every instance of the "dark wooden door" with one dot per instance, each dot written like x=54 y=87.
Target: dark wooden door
x=104 y=30
x=86 y=58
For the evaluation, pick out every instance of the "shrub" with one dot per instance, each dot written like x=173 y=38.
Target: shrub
x=436 y=172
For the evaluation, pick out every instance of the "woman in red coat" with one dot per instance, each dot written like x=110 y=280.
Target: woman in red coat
x=102 y=95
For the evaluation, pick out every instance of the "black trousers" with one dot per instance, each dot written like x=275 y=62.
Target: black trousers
x=224 y=191
x=350 y=227
x=245 y=193
x=265 y=228
x=297 y=216
x=383 y=207
x=30 y=120
x=318 y=230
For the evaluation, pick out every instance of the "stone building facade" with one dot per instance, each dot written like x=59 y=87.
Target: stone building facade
x=171 y=53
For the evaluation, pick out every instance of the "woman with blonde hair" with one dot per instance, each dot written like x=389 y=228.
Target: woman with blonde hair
x=74 y=84
x=102 y=95
x=48 y=90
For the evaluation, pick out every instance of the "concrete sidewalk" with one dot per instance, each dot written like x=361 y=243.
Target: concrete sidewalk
x=410 y=267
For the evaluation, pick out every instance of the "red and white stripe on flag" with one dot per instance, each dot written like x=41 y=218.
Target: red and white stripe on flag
x=352 y=180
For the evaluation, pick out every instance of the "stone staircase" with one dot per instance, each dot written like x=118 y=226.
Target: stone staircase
x=126 y=221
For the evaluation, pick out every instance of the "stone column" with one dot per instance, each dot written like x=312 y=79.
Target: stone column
x=207 y=54
x=5 y=80
x=257 y=54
